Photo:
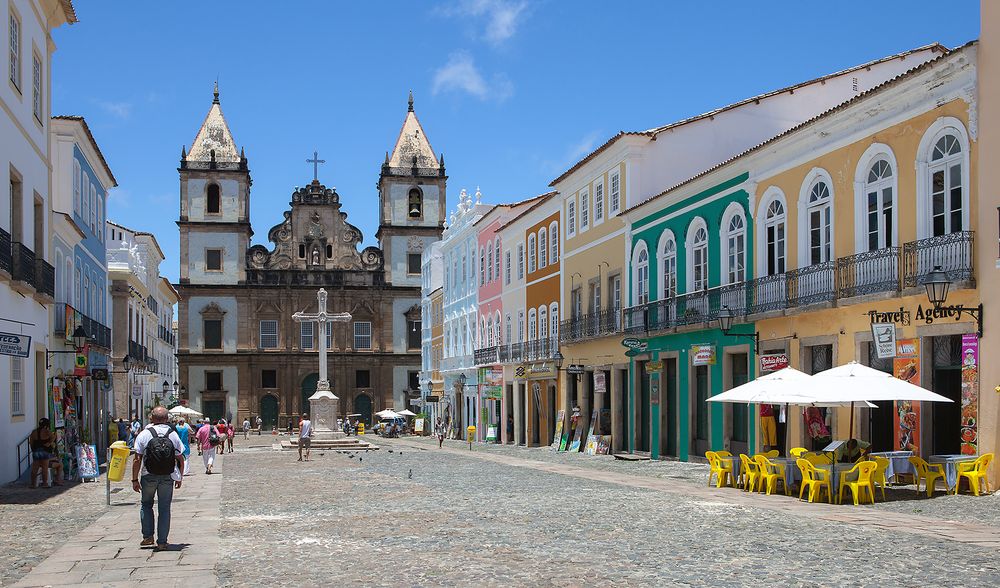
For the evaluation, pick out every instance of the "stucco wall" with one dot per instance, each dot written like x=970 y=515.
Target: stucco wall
x=196 y=337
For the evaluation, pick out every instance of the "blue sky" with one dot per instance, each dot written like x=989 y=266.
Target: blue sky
x=513 y=92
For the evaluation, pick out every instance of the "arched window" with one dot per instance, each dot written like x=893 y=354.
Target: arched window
x=509 y=332
x=734 y=238
x=543 y=322
x=532 y=252
x=532 y=315
x=697 y=254
x=947 y=185
x=879 y=204
x=496 y=258
x=415 y=203
x=496 y=329
x=520 y=326
x=819 y=209
x=640 y=274
x=489 y=262
x=668 y=265
x=482 y=267
x=543 y=248
x=213 y=203
x=554 y=236
x=774 y=237
x=554 y=321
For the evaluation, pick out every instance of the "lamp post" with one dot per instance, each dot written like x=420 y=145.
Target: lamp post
x=937 y=284
x=726 y=317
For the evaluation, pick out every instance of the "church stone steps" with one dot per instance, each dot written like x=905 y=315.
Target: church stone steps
x=343 y=444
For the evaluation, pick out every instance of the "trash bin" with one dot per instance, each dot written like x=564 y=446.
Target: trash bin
x=119 y=461
x=471 y=430
x=361 y=428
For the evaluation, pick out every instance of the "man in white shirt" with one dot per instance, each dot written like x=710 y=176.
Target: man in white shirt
x=153 y=446
x=305 y=435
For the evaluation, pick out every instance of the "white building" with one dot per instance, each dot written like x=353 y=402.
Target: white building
x=459 y=250
x=432 y=279
x=27 y=279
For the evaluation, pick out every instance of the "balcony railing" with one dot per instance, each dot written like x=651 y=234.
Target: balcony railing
x=953 y=252
x=100 y=335
x=137 y=353
x=885 y=270
x=23 y=264
x=6 y=262
x=593 y=324
x=45 y=278
x=487 y=356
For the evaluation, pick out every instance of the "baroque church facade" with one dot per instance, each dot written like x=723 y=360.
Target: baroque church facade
x=240 y=353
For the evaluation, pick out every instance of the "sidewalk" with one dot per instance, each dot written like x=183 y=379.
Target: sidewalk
x=107 y=552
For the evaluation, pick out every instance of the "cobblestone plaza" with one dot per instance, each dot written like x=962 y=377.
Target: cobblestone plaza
x=411 y=514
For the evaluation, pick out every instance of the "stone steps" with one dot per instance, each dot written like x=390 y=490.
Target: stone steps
x=342 y=444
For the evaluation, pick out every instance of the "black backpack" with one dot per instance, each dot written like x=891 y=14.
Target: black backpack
x=159 y=456
x=213 y=436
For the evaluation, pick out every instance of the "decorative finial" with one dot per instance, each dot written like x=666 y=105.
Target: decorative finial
x=479 y=195
x=387 y=158
x=215 y=92
x=242 y=155
x=442 y=159
x=410 y=102
x=183 y=152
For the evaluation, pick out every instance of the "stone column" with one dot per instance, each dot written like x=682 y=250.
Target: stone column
x=323 y=413
x=617 y=411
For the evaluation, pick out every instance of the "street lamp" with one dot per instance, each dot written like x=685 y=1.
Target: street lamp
x=936 y=284
x=166 y=387
x=725 y=318
x=462 y=380
x=79 y=337
x=175 y=386
x=558 y=360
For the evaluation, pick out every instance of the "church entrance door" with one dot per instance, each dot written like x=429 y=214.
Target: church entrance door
x=308 y=389
x=363 y=406
x=268 y=412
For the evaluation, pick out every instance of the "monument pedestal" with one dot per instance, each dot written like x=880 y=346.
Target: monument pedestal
x=323 y=413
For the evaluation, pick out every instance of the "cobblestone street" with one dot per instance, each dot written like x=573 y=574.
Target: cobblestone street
x=413 y=515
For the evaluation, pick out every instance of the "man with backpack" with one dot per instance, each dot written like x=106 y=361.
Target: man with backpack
x=156 y=472
x=209 y=439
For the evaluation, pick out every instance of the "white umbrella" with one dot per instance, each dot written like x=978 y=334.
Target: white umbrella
x=856 y=382
x=181 y=410
x=387 y=414
x=785 y=386
x=407 y=412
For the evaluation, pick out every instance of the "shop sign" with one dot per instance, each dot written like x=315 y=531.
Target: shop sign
x=600 y=382
x=703 y=355
x=773 y=362
x=575 y=369
x=970 y=395
x=901 y=316
x=521 y=372
x=884 y=336
x=654 y=366
x=541 y=370
x=493 y=392
x=635 y=343
x=654 y=389
x=941 y=312
x=14 y=344
x=82 y=360
x=99 y=374
x=432 y=399
x=906 y=417
x=493 y=376
x=137 y=391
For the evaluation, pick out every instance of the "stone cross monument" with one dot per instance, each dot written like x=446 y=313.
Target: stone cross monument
x=323 y=404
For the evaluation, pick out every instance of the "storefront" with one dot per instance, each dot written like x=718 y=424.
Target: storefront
x=537 y=385
x=491 y=401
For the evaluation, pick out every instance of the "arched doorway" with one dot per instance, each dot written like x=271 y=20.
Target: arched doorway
x=268 y=412
x=363 y=406
x=308 y=389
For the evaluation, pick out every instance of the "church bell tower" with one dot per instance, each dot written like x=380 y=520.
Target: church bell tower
x=215 y=205
x=412 y=193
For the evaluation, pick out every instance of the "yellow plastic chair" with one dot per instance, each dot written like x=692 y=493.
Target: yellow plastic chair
x=816 y=458
x=878 y=478
x=815 y=480
x=864 y=471
x=930 y=473
x=771 y=454
x=797 y=452
x=723 y=453
x=974 y=472
x=770 y=474
x=720 y=468
x=710 y=456
x=749 y=473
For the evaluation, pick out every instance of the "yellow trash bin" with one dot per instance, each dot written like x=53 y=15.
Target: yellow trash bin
x=361 y=428
x=119 y=461
x=471 y=430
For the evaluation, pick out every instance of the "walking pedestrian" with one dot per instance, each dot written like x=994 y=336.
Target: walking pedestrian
x=197 y=427
x=208 y=438
x=123 y=429
x=230 y=433
x=290 y=426
x=246 y=429
x=305 y=436
x=260 y=423
x=184 y=432
x=439 y=431
x=156 y=473
x=134 y=430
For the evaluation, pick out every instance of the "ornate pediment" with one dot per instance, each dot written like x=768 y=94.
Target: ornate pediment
x=315 y=235
x=212 y=311
x=413 y=313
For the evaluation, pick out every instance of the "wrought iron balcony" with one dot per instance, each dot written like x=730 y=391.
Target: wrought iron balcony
x=487 y=356
x=63 y=326
x=45 y=279
x=23 y=266
x=812 y=284
x=6 y=262
x=953 y=252
x=870 y=272
x=594 y=324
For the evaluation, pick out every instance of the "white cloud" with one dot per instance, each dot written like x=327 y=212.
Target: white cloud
x=502 y=17
x=119 y=109
x=119 y=197
x=583 y=147
x=460 y=74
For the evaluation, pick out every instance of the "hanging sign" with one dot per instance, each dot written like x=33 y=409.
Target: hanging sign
x=654 y=366
x=773 y=362
x=906 y=420
x=884 y=336
x=600 y=382
x=703 y=355
x=99 y=374
x=575 y=369
x=521 y=372
x=80 y=365
x=635 y=343
x=970 y=395
x=137 y=391
x=14 y=344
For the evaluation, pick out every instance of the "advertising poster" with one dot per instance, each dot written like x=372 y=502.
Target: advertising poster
x=970 y=395
x=57 y=407
x=564 y=441
x=600 y=382
x=906 y=420
x=604 y=445
x=579 y=426
x=80 y=367
x=86 y=461
x=591 y=448
x=418 y=425
x=560 y=417
x=703 y=355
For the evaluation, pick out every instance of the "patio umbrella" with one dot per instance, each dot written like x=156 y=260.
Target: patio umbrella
x=859 y=383
x=407 y=413
x=785 y=386
x=387 y=414
x=183 y=411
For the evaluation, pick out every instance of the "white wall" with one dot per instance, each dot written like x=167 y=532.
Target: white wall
x=231 y=258
x=196 y=340
x=197 y=192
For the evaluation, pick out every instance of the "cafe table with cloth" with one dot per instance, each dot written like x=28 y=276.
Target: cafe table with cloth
x=898 y=463
x=950 y=463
